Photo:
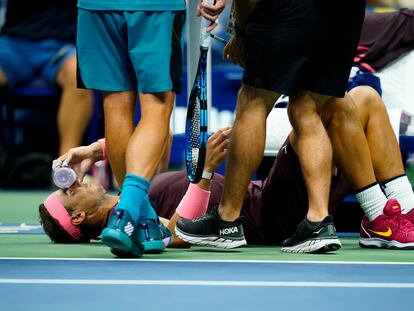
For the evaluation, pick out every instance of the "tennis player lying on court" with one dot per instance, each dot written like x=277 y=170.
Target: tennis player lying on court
x=273 y=208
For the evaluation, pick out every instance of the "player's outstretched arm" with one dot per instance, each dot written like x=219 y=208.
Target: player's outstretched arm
x=195 y=202
x=81 y=159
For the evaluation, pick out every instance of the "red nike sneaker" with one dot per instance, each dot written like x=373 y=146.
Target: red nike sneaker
x=410 y=216
x=390 y=230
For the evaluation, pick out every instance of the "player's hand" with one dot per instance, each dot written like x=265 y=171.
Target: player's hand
x=80 y=159
x=217 y=149
x=235 y=52
x=211 y=12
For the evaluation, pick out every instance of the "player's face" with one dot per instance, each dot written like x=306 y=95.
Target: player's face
x=82 y=197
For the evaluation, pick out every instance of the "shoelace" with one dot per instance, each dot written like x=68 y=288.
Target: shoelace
x=206 y=215
x=201 y=218
x=119 y=218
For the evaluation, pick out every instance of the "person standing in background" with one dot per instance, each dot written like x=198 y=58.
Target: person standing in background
x=37 y=40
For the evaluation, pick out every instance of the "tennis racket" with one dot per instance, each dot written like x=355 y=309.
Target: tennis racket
x=196 y=121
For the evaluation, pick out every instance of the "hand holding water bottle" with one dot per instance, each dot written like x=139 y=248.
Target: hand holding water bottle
x=73 y=165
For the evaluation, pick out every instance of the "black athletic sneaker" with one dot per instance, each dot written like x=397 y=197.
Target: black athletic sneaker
x=122 y=236
x=313 y=239
x=210 y=230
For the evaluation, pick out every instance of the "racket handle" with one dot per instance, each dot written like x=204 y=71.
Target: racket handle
x=204 y=36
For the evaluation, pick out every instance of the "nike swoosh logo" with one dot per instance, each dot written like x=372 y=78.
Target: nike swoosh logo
x=382 y=233
x=317 y=232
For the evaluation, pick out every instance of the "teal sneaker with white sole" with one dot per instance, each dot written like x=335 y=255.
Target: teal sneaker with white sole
x=154 y=235
x=122 y=236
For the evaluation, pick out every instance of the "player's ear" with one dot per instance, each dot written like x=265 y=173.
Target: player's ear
x=77 y=218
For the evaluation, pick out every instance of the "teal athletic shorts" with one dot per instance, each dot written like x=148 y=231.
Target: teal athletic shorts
x=130 y=50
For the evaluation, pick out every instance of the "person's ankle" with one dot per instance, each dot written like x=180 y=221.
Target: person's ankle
x=228 y=214
x=316 y=216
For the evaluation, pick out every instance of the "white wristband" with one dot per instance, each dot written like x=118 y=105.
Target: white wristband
x=207 y=175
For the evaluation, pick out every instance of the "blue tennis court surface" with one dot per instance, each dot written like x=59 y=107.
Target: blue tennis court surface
x=56 y=284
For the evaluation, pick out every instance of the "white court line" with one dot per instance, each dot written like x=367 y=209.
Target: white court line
x=204 y=283
x=216 y=261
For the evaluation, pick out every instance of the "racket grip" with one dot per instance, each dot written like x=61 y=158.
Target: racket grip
x=204 y=36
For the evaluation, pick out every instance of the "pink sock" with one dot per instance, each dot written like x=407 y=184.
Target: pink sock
x=194 y=203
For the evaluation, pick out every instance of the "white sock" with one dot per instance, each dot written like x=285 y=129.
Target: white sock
x=400 y=189
x=372 y=201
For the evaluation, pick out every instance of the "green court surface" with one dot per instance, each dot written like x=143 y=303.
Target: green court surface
x=21 y=207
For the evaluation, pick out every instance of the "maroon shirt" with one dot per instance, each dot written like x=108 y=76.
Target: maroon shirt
x=387 y=36
x=167 y=190
x=272 y=209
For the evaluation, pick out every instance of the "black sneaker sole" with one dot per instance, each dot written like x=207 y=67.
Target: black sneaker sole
x=215 y=241
x=314 y=246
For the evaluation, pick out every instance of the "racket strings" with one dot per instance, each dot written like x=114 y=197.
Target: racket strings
x=195 y=135
x=196 y=123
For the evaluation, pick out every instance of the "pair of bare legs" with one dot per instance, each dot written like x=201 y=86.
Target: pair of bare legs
x=308 y=137
x=75 y=107
x=314 y=150
x=312 y=145
x=137 y=150
x=354 y=124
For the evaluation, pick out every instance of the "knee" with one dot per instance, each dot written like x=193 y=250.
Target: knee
x=119 y=106
x=253 y=101
x=156 y=107
x=163 y=106
x=245 y=94
x=303 y=117
x=244 y=99
x=344 y=117
x=373 y=101
x=67 y=73
x=163 y=114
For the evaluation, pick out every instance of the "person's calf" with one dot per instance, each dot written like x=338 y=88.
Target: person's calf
x=316 y=169
x=351 y=152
